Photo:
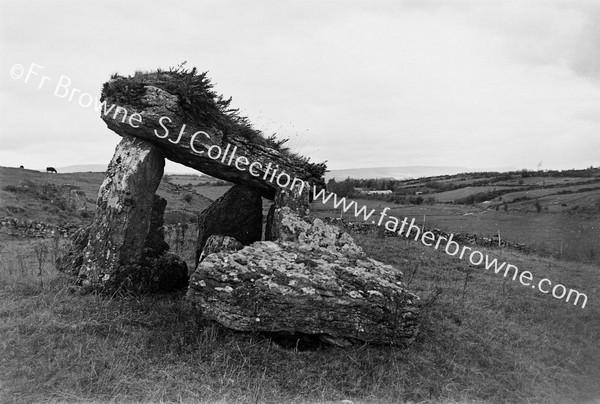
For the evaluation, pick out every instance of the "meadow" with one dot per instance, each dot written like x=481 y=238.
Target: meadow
x=483 y=338
x=562 y=236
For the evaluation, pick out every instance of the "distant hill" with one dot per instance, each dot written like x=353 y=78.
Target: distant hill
x=94 y=168
x=71 y=197
x=398 y=173
x=170 y=168
x=401 y=173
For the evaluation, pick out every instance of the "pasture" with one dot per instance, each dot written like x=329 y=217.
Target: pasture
x=563 y=236
x=483 y=338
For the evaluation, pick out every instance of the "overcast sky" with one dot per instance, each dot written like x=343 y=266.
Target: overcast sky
x=356 y=83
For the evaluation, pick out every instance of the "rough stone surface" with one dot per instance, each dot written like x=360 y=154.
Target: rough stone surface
x=156 y=104
x=155 y=244
x=72 y=258
x=77 y=200
x=314 y=281
x=297 y=200
x=159 y=270
x=238 y=214
x=124 y=246
x=123 y=212
x=166 y=272
x=217 y=243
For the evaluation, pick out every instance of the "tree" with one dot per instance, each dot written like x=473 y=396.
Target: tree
x=344 y=188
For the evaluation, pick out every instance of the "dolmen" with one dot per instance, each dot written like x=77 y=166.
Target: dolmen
x=293 y=275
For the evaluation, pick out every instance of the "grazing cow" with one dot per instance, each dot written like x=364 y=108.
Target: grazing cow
x=51 y=170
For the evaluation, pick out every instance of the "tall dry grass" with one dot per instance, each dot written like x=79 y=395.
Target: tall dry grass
x=481 y=340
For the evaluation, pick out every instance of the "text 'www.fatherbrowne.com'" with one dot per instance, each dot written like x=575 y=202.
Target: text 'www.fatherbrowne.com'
x=451 y=247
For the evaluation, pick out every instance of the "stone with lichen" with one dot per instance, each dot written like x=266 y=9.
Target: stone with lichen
x=314 y=280
x=184 y=99
x=218 y=243
x=124 y=246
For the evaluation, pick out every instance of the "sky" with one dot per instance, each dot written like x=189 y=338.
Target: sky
x=358 y=84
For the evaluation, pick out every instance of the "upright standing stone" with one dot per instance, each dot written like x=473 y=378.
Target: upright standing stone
x=155 y=244
x=297 y=200
x=158 y=270
x=236 y=214
x=123 y=215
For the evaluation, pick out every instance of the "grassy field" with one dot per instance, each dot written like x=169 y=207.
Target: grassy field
x=517 y=182
x=456 y=194
x=563 y=236
x=483 y=338
x=30 y=194
x=207 y=186
x=540 y=193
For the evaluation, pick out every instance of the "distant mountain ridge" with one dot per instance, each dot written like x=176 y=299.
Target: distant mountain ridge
x=83 y=168
x=102 y=168
x=399 y=173
x=402 y=173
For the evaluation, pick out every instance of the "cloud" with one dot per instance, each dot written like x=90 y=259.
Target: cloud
x=585 y=52
x=356 y=83
x=564 y=34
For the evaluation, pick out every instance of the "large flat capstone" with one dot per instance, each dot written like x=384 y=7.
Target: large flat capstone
x=179 y=112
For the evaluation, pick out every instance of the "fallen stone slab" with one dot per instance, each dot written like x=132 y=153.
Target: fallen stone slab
x=322 y=284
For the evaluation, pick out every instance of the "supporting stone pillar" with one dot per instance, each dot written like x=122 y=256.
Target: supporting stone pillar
x=125 y=243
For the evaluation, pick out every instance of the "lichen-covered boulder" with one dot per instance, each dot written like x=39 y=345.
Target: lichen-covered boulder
x=296 y=200
x=219 y=243
x=315 y=280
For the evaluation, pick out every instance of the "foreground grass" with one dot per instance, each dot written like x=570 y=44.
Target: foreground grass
x=481 y=340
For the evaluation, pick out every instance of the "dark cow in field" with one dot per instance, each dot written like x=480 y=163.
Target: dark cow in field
x=51 y=170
